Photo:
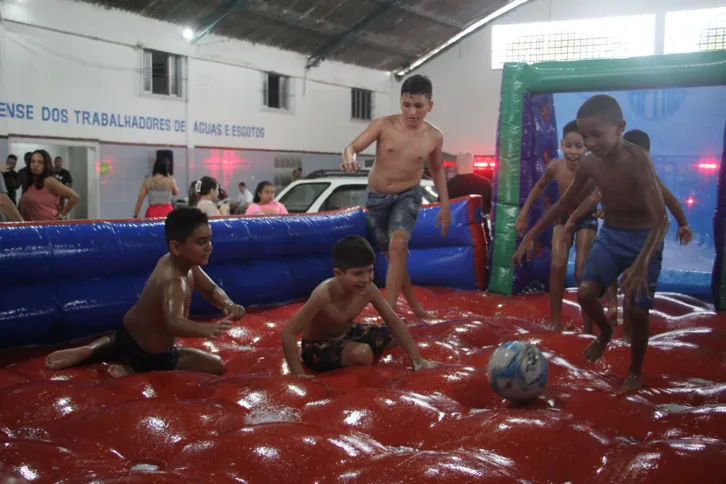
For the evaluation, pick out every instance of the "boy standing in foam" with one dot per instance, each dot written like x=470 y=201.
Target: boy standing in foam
x=330 y=338
x=684 y=234
x=145 y=341
x=563 y=171
x=631 y=240
x=404 y=142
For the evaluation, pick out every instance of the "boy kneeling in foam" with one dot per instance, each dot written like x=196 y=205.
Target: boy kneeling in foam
x=330 y=338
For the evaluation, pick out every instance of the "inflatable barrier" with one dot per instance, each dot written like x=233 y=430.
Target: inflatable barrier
x=518 y=121
x=64 y=281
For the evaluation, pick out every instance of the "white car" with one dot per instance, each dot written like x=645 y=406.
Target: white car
x=325 y=190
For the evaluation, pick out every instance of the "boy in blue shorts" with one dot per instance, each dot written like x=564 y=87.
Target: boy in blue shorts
x=684 y=234
x=563 y=172
x=631 y=240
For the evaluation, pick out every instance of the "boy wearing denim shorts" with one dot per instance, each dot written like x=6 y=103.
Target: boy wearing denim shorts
x=404 y=142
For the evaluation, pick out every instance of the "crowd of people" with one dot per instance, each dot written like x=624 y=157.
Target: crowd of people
x=40 y=191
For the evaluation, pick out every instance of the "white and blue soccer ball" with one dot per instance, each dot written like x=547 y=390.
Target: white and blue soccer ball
x=517 y=371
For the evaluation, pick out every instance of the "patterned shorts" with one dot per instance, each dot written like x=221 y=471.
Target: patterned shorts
x=325 y=355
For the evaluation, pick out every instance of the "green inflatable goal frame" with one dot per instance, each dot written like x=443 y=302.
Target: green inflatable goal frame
x=518 y=79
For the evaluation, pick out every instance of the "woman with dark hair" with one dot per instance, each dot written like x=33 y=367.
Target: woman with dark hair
x=42 y=192
x=264 y=202
x=160 y=188
x=203 y=194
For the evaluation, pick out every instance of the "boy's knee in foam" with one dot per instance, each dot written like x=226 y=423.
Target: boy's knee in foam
x=361 y=355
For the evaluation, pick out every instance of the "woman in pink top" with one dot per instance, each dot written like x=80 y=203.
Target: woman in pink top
x=263 y=203
x=42 y=192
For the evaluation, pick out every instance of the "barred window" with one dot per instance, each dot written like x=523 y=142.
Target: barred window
x=695 y=30
x=600 y=38
x=162 y=73
x=361 y=104
x=276 y=91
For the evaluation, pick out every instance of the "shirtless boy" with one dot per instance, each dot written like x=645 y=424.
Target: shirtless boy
x=563 y=171
x=684 y=234
x=145 y=341
x=404 y=142
x=631 y=240
x=330 y=339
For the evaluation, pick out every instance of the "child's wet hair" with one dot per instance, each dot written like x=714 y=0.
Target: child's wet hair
x=417 y=85
x=601 y=106
x=570 y=127
x=351 y=252
x=182 y=222
x=201 y=187
x=638 y=137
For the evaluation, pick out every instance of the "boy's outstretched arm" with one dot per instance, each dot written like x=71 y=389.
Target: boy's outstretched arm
x=565 y=201
x=635 y=277
x=363 y=141
x=215 y=295
x=174 y=314
x=521 y=224
x=436 y=166
x=397 y=328
x=684 y=233
x=317 y=301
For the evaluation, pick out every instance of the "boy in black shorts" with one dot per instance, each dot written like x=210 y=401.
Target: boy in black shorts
x=145 y=341
x=330 y=337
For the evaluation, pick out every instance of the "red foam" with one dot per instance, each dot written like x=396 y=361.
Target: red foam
x=384 y=423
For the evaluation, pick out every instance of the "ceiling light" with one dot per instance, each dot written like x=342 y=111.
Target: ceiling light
x=188 y=34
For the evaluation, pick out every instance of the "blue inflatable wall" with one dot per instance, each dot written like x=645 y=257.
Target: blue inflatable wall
x=63 y=281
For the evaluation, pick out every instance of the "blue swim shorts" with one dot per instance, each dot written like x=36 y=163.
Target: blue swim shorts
x=587 y=222
x=393 y=211
x=613 y=251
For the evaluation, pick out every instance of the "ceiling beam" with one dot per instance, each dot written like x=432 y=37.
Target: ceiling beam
x=384 y=47
x=213 y=19
x=423 y=14
x=336 y=42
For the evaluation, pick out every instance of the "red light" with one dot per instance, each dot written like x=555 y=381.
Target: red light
x=690 y=201
x=449 y=164
x=707 y=166
x=486 y=162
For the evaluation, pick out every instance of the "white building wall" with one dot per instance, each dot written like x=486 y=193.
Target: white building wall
x=74 y=57
x=467 y=89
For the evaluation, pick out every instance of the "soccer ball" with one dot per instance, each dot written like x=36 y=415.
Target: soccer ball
x=517 y=371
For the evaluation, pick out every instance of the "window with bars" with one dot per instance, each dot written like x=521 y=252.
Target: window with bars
x=601 y=38
x=361 y=104
x=276 y=91
x=162 y=73
x=695 y=31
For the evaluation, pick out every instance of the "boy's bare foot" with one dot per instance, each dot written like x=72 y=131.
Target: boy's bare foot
x=632 y=383
x=596 y=349
x=421 y=313
x=61 y=359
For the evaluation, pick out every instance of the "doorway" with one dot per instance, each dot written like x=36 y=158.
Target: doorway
x=80 y=158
